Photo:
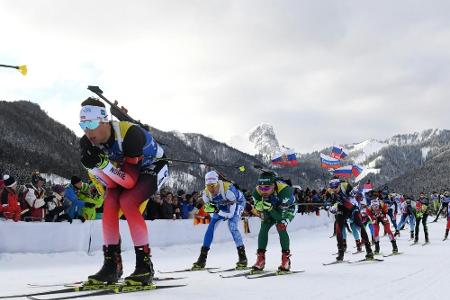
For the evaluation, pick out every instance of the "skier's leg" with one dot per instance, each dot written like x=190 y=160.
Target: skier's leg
x=387 y=228
x=340 y=225
x=111 y=270
x=110 y=220
x=438 y=213
x=233 y=226
x=284 y=236
x=402 y=222
x=364 y=237
x=416 y=237
x=263 y=235
x=355 y=230
x=266 y=224
x=207 y=241
x=209 y=234
x=393 y=219
x=130 y=201
x=425 y=227
x=412 y=223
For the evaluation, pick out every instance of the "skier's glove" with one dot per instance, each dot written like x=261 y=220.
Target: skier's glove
x=210 y=208
x=94 y=157
x=263 y=205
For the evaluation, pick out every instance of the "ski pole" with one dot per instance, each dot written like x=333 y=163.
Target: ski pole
x=241 y=168
x=22 y=69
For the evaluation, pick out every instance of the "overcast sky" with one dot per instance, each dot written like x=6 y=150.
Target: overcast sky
x=318 y=71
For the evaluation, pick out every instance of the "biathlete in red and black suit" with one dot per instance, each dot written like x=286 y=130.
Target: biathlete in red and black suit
x=124 y=157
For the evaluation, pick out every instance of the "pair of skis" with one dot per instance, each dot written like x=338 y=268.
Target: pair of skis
x=76 y=283
x=353 y=261
x=244 y=272
x=417 y=243
x=362 y=260
x=93 y=291
x=252 y=274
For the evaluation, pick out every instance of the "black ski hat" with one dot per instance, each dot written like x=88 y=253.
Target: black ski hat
x=75 y=179
x=8 y=181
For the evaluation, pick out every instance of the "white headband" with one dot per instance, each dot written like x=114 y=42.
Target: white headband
x=91 y=112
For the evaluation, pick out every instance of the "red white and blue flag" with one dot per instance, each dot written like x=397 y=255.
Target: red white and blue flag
x=285 y=158
x=329 y=162
x=339 y=153
x=345 y=171
x=356 y=170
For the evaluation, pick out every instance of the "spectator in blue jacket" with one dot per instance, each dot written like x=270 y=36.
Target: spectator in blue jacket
x=73 y=205
x=186 y=206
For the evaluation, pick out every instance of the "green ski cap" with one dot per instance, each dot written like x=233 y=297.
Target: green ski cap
x=266 y=178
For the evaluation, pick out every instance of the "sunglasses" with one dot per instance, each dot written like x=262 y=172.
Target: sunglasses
x=91 y=124
x=265 y=188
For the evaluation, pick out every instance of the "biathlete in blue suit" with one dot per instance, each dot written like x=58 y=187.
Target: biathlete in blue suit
x=226 y=203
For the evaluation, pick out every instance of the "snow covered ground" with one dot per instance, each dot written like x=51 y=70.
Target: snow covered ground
x=420 y=273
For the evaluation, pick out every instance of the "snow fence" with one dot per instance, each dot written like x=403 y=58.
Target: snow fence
x=37 y=237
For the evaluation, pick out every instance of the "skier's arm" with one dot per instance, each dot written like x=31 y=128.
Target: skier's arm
x=127 y=174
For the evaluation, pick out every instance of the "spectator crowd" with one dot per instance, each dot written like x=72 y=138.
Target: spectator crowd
x=39 y=201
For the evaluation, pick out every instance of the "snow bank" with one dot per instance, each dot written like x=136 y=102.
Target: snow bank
x=64 y=237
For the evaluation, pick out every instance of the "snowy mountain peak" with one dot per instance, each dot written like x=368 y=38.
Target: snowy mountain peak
x=264 y=139
x=413 y=138
x=363 y=150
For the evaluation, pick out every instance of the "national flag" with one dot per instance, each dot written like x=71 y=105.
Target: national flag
x=328 y=162
x=356 y=170
x=285 y=158
x=345 y=171
x=339 y=153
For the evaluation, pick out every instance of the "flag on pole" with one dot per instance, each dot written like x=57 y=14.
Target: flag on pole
x=285 y=158
x=338 y=152
x=356 y=170
x=345 y=171
x=329 y=162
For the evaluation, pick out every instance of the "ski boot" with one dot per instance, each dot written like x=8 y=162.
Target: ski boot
x=427 y=239
x=285 y=261
x=377 y=248
x=358 y=246
x=394 y=247
x=340 y=256
x=143 y=273
x=369 y=253
x=111 y=270
x=242 y=262
x=446 y=234
x=260 y=260
x=201 y=261
x=397 y=233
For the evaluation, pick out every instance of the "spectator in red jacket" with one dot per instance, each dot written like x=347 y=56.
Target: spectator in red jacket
x=12 y=209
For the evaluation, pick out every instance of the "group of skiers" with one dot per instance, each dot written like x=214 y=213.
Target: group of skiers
x=129 y=162
x=370 y=208
x=126 y=161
